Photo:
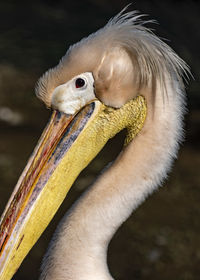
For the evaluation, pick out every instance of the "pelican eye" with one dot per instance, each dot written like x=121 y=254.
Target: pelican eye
x=79 y=83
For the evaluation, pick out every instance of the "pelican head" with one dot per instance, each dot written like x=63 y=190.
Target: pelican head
x=120 y=77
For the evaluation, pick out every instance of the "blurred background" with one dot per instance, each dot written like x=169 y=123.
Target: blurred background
x=161 y=240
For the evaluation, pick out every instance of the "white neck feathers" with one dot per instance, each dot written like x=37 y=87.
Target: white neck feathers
x=78 y=250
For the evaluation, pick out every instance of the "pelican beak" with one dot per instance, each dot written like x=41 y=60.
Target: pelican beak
x=67 y=145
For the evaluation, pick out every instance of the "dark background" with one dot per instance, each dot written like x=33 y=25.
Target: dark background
x=161 y=240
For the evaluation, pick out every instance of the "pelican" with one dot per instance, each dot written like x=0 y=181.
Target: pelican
x=121 y=77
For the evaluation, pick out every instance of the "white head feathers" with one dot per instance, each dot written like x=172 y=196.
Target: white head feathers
x=124 y=57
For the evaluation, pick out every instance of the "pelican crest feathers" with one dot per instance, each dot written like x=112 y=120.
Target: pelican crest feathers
x=142 y=60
